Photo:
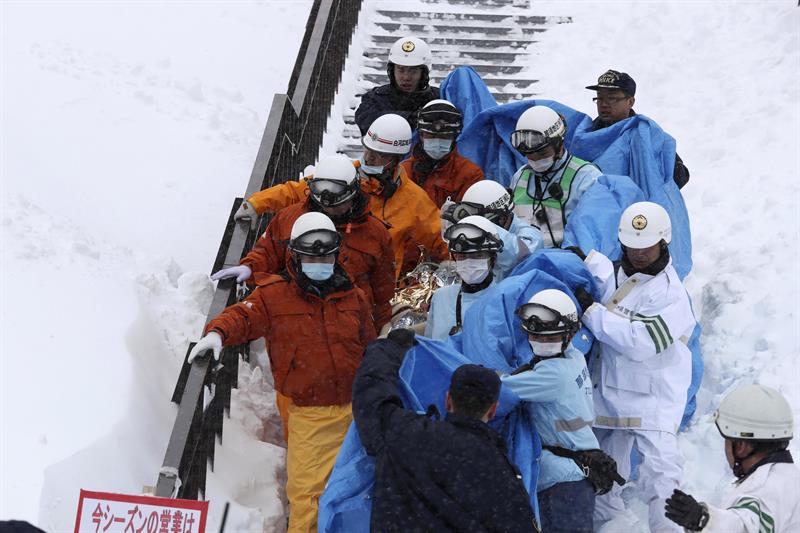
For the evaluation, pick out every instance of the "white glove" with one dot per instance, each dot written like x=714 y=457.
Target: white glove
x=246 y=211
x=212 y=341
x=242 y=273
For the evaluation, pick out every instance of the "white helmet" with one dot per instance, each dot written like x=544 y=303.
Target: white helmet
x=315 y=234
x=473 y=234
x=334 y=181
x=538 y=127
x=389 y=134
x=644 y=224
x=549 y=312
x=410 y=52
x=755 y=412
x=489 y=194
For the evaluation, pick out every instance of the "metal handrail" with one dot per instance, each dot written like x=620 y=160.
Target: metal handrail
x=291 y=140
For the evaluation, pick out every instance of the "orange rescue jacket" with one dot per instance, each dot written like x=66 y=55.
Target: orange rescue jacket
x=410 y=215
x=366 y=254
x=314 y=343
x=451 y=179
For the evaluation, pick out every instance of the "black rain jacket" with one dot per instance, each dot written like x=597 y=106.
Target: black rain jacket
x=432 y=475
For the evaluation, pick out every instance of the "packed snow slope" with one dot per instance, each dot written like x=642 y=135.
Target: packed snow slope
x=127 y=129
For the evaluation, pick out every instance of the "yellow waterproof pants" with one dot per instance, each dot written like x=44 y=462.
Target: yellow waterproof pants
x=283 y=403
x=315 y=436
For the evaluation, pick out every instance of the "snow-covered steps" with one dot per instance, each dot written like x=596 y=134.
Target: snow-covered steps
x=495 y=37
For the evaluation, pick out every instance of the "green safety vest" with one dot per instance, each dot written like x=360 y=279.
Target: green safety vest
x=553 y=233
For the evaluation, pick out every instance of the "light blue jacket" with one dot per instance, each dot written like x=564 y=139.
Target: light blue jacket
x=584 y=178
x=559 y=392
x=442 y=311
x=519 y=240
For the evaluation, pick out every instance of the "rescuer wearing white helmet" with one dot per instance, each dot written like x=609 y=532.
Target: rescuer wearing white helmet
x=316 y=323
x=757 y=424
x=408 y=213
x=409 y=67
x=641 y=321
x=557 y=386
x=367 y=255
x=435 y=164
x=474 y=244
x=549 y=186
x=491 y=200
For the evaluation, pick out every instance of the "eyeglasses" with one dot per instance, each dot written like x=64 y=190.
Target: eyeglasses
x=609 y=99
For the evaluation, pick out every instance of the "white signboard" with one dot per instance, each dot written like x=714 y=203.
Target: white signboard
x=104 y=512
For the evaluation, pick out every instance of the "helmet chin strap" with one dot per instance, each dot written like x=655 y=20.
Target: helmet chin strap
x=738 y=468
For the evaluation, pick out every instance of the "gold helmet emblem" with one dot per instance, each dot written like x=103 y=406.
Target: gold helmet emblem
x=408 y=46
x=639 y=222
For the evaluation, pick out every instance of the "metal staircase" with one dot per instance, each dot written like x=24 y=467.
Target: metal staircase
x=492 y=36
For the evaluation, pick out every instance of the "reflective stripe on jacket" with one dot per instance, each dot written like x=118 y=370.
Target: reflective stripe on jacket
x=559 y=395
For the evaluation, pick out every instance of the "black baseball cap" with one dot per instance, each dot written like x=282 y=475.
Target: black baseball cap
x=476 y=381
x=611 y=79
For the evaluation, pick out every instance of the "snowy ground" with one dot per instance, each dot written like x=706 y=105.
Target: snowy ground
x=127 y=129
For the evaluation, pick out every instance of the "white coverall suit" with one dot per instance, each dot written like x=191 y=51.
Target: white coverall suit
x=641 y=380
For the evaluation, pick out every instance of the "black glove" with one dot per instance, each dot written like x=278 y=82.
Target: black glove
x=577 y=251
x=602 y=470
x=402 y=337
x=685 y=511
x=584 y=298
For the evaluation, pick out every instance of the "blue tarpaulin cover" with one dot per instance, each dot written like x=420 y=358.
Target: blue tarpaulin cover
x=637 y=159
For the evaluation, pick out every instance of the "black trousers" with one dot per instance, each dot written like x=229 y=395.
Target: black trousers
x=567 y=507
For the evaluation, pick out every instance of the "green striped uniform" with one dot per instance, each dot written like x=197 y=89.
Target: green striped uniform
x=657 y=329
x=752 y=504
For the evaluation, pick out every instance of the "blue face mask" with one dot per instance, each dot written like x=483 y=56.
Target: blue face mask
x=370 y=170
x=318 y=271
x=437 y=148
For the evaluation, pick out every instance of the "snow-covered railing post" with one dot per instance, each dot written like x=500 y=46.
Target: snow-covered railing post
x=291 y=140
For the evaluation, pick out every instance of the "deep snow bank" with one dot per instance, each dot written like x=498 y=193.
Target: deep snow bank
x=127 y=130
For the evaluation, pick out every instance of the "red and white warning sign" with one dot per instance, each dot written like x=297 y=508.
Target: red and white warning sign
x=104 y=512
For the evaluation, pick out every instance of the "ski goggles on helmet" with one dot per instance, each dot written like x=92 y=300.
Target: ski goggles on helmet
x=538 y=319
x=330 y=193
x=529 y=141
x=439 y=126
x=465 y=209
x=316 y=242
x=466 y=238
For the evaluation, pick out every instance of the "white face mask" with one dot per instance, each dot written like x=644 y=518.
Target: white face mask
x=472 y=271
x=369 y=170
x=542 y=165
x=545 y=349
x=437 y=148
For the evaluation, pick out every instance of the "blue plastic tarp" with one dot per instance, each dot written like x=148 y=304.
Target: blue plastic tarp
x=492 y=337
x=465 y=89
